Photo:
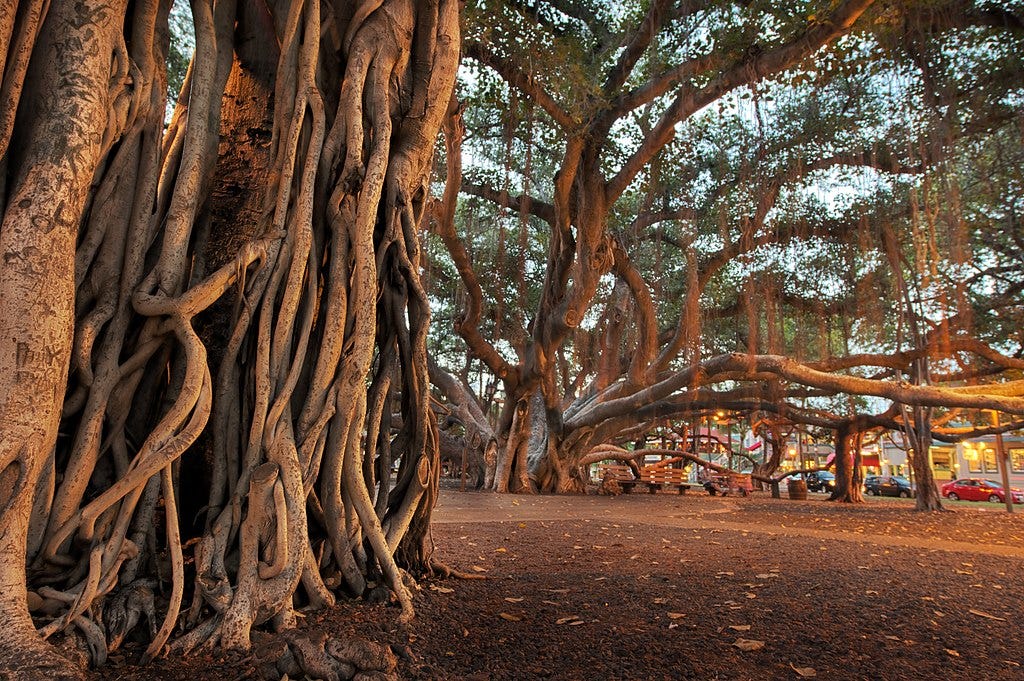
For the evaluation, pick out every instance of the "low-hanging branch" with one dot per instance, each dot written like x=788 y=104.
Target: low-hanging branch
x=1008 y=397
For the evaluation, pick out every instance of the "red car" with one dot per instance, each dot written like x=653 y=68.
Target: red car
x=976 y=489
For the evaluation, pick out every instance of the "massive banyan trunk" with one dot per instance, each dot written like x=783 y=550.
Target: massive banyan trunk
x=848 y=476
x=181 y=344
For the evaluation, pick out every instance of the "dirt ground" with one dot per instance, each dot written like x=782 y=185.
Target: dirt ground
x=669 y=587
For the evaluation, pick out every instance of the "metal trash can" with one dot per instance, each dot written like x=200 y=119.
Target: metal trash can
x=797 y=489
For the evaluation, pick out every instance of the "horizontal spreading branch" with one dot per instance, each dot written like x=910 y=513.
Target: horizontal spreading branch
x=519 y=203
x=1007 y=397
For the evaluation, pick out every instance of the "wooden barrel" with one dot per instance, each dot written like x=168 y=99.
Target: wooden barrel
x=797 y=489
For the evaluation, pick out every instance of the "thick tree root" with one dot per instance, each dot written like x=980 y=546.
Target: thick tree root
x=29 y=659
x=313 y=655
x=445 y=571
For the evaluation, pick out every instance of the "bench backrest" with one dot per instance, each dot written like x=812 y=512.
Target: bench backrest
x=619 y=472
x=663 y=475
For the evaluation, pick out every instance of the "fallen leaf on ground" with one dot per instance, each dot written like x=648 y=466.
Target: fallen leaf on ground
x=740 y=627
x=510 y=599
x=806 y=672
x=477 y=568
x=565 y=620
x=952 y=652
x=501 y=549
x=441 y=589
x=676 y=615
x=510 y=617
x=979 y=613
x=660 y=601
x=748 y=644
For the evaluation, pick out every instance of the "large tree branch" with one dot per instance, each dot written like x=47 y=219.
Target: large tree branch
x=469 y=325
x=1008 y=397
x=647 y=321
x=519 y=203
x=935 y=17
x=659 y=85
x=520 y=80
x=637 y=45
x=755 y=66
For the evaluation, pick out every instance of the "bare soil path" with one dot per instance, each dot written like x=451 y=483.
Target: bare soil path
x=665 y=586
x=889 y=521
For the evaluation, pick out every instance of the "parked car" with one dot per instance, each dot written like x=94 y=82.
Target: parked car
x=976 y=489
x=889 y=486
x=821 y=481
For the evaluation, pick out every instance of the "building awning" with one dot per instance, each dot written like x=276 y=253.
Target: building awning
x=870 y=460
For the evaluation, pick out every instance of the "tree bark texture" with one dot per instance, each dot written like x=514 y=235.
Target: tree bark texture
x=220 y=315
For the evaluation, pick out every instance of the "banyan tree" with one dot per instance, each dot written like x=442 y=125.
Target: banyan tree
x=771 y=209
x=212 y=355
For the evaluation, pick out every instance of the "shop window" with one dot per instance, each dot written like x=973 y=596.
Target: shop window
x=990 y=461
x=1017 y=460
x=973 y=461
x=940 y=460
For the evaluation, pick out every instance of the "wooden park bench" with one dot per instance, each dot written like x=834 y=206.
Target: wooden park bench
x=655 y=477
x=658 y=477
x=618 y=472
x=739 y=483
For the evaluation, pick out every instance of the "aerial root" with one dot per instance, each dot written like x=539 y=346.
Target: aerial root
x=313 y=655
x=444 y=571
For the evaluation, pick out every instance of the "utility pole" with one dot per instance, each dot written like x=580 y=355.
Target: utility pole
x=1004 y=467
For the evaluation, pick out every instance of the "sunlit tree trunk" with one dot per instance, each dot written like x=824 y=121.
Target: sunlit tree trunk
x=51 y=160
x=221 y=316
